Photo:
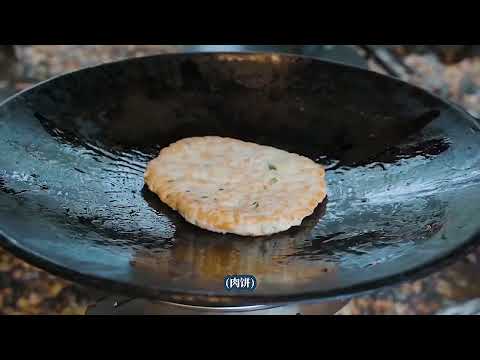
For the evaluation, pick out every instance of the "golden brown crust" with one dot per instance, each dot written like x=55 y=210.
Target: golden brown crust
x=230 y=186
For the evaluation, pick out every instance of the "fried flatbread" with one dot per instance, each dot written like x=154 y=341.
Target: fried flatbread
x=230 y=186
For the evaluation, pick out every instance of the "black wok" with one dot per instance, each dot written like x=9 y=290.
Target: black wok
x=403 y=174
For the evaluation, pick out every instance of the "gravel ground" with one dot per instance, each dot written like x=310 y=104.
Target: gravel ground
x=27 y=290
x=42 y=62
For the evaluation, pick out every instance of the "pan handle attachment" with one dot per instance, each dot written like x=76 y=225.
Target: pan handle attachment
x=473 y=118
x=476 y=120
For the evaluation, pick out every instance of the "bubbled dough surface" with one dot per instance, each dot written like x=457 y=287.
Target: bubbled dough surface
x=230 y=186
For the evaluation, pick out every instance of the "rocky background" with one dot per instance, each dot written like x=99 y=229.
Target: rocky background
x=452 y=71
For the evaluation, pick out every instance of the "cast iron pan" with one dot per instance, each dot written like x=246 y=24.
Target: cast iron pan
x=403 y=174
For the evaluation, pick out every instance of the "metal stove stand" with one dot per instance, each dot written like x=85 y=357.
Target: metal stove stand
x=124 y=306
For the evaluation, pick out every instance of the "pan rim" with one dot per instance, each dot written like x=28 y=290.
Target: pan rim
x=283 y=54
x=205 y=299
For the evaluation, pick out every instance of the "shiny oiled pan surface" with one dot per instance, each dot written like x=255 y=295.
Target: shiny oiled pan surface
x=403 y=171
